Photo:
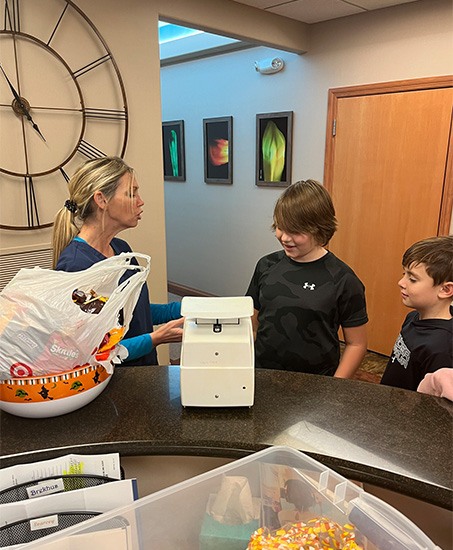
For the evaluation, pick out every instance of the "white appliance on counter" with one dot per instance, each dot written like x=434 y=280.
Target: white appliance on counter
x=217 y=353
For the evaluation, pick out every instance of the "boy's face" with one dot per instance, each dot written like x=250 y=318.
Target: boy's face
x=417 y=288
x=300 y=247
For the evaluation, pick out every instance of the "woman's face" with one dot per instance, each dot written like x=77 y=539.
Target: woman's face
x=125 y=208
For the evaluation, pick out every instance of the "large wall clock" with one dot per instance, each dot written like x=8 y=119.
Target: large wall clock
x=62 y=101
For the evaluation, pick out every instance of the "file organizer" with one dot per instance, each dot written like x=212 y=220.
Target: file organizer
x=68 y=482
x=175 y=517
x=24 y=521
x=21 y=533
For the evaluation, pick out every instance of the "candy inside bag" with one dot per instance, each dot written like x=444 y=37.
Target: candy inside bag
x=89 y=302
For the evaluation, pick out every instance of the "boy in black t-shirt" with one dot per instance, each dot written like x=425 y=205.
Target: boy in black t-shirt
x=303 y=294
x=425 y=343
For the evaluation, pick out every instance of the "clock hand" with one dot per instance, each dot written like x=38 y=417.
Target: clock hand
x=15 y=94
x=22 y=105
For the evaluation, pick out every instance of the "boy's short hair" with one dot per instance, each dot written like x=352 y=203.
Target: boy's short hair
x=306 y=207
x=436 y=254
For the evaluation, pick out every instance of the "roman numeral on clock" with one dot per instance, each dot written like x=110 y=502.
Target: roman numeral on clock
x=90 y=151
x=63 y=173
x=30 y=202
x=91 y=65
x=106 y=114
x=57 y=24
x=12 y=16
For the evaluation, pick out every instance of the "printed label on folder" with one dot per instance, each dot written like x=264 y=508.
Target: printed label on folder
x=46 y=488
x=44 y=523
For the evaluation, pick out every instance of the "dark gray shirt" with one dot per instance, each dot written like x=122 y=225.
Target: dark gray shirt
x=301 y=307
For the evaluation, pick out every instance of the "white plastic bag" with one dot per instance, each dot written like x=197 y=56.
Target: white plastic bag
x=42 y=330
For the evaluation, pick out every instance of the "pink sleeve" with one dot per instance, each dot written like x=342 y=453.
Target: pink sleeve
x=439 y=383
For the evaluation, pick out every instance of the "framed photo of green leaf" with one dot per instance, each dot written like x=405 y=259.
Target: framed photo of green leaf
x=174 y=150
x=274 y=149
x=218 y=149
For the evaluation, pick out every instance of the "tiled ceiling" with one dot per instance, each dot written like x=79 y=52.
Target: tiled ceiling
x=314 y=11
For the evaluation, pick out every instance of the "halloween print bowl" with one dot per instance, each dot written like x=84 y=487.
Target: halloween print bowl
x=43 y=397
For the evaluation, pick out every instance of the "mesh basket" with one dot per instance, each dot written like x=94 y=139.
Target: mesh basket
x=20 y=532
x=71 y=482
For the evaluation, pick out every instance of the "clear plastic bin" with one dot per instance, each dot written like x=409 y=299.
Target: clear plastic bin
x=285 y=486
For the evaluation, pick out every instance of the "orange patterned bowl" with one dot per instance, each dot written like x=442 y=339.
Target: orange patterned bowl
x=43 y=397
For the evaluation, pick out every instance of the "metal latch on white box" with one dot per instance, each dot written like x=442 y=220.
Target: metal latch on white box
x=217 y=354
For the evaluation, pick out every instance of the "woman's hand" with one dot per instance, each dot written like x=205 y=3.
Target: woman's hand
x=170 y=332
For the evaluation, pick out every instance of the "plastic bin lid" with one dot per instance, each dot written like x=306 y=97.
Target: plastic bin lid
x=155 y=522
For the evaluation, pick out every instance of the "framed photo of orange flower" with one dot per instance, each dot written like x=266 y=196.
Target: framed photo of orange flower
x=218 y=149
x=274 y=149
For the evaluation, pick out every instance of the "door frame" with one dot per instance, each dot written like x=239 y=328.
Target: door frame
x=430 y=83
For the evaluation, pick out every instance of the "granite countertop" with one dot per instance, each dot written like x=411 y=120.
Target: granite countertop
x=389 y=437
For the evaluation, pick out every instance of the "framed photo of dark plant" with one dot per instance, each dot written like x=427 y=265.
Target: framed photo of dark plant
x=174 y=150
x=274 y=149
x=218 y=149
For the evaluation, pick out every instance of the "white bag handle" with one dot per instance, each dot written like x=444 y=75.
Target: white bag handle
x=127 y=286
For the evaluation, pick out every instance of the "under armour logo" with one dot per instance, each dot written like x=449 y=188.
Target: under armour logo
x=309 y=286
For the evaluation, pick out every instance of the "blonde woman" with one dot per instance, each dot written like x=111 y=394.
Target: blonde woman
x=104 y=200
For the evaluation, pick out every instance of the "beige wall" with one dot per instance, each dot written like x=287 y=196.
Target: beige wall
x=407 y=41
x=130 y=29
x=238 y=21
x=230 y=225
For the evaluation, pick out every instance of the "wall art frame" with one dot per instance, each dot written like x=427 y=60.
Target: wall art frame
x=274 y=138
x=218 y=149
x=174 y=154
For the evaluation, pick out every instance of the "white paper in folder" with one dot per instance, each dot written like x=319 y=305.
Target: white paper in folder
x=107 y=465
x=113 y=539
x=94 y=499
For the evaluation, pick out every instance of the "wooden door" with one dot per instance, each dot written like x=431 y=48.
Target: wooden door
x=388 y=172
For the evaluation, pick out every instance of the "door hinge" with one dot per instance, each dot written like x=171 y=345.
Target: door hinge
x=334 y=127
